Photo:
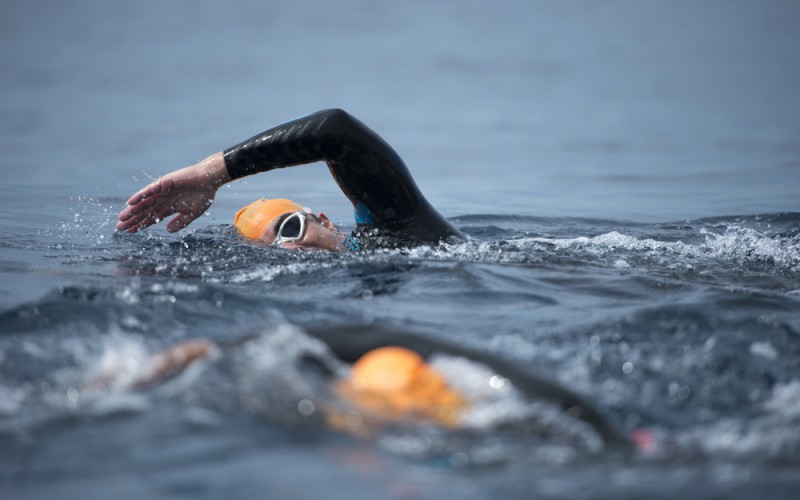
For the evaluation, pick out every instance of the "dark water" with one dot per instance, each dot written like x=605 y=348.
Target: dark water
x=627 y=174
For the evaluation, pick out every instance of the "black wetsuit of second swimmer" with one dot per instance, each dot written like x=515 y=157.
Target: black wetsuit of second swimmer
x=368 y=171
x=350 y=342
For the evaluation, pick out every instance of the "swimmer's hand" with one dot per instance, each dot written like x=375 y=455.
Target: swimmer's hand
x=160 y=367
x=187 y=192
x=173 y=361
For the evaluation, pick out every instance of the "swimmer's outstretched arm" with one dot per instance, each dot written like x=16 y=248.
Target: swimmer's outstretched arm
x=162 y=366
x=367 y=169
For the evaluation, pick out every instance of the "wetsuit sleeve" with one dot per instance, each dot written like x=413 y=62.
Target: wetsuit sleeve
x=369 y=172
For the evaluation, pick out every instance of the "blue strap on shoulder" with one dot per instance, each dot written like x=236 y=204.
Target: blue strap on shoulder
x=363 y=214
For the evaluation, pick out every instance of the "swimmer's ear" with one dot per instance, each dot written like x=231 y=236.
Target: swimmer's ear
x=325 y=221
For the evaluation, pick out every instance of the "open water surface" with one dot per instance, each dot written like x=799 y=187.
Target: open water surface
x=627 y=174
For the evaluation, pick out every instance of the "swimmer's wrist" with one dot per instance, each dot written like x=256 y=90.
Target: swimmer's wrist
x=215 y=170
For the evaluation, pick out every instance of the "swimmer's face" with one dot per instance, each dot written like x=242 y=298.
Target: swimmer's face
x=319 y=233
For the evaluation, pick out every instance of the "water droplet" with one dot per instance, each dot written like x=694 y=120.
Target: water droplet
x=306 y=407
x=73 y=395
x=763 y=349
x=498 y=382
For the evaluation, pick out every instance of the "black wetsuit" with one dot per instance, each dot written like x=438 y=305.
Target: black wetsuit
x=369 y=172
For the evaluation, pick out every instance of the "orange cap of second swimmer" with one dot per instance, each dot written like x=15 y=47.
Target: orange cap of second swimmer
x=252 y=220
x=394 y=382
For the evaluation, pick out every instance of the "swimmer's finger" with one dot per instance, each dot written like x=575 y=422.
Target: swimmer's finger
x=143 y=219
x=140 y=217
x=152 y=189
x=180 y=221
x=134 y=210
x=144 y=222
x=124 y=226
x=130 y=222
x=144 y=201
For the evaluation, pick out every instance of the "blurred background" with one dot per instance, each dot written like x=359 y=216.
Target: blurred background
x=647 y=111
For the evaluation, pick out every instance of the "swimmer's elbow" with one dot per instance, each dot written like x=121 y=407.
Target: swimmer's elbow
x=342 y=124
x=336 y=121
x=336 y=115
x=336 y=129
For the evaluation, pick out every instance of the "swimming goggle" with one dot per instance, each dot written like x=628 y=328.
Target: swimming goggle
x=292 y=228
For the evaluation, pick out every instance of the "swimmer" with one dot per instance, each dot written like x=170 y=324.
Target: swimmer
x=387 y=203
x=390 y=381
x=386 y=385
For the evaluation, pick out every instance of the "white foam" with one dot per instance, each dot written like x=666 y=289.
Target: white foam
x=610 y=241
x=736 y=244
x=785 y=400
x=771 y=434
x=11 y=399
x=268 y=370
x=494 y=402
x=122 y=361
x=763 y=349
x=745 y=244
x=268 y=272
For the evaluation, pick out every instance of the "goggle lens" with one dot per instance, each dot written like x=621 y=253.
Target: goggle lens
x=290 y=227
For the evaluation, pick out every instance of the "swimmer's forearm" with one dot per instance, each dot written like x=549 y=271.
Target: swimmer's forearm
x=321 y=136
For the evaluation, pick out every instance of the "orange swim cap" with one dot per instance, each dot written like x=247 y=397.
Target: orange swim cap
x=393 y=383
x=252 y=220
